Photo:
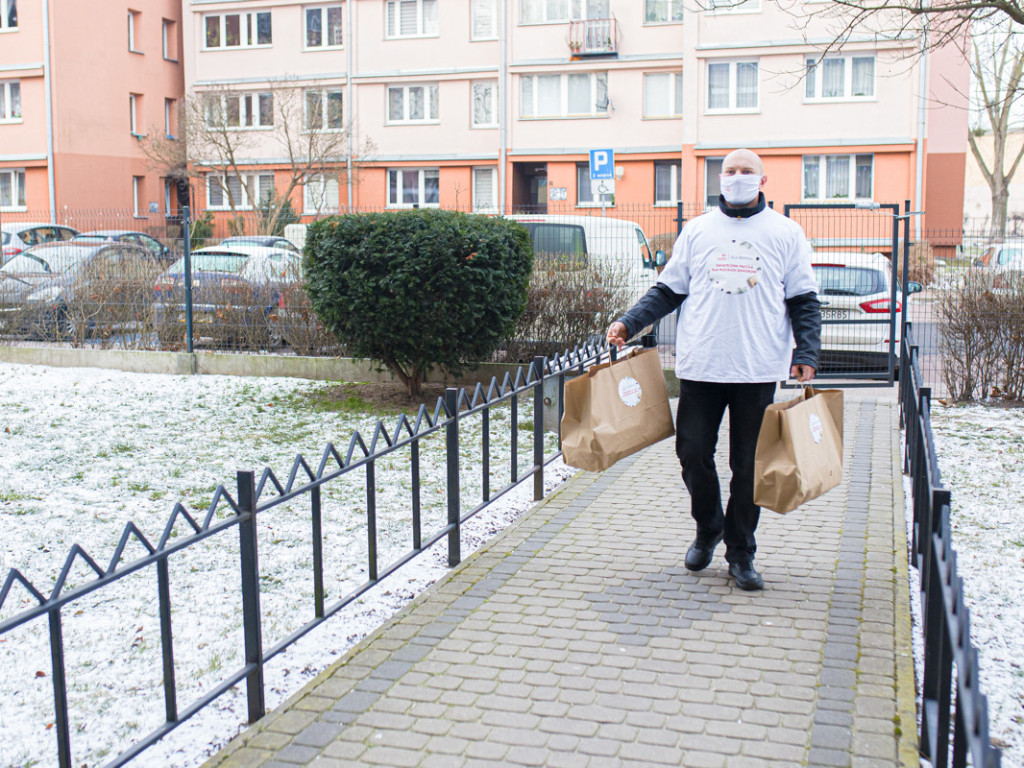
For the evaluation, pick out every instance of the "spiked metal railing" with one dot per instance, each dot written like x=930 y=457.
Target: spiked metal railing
x=253 y=498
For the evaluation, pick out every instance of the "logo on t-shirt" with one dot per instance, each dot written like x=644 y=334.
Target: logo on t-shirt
x=735 y=267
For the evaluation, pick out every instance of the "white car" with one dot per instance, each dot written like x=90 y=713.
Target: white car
x=856 y=307
x=19 y=236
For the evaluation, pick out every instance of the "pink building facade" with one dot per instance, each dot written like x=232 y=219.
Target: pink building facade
x=82 y=84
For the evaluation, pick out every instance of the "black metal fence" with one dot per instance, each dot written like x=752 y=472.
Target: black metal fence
x=952 y=701
x=238 y=511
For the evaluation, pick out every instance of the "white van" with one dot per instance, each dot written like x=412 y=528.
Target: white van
x=613 y=247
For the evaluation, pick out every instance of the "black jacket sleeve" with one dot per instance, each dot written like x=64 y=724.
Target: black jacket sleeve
x=805 y=315
x=659 y=301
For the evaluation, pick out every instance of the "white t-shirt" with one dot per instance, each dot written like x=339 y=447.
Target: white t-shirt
x=737 y=274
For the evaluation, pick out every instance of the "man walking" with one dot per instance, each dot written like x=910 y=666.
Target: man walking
x=743 y=279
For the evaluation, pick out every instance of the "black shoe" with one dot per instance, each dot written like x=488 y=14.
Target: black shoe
x=700 y=553
x=745 y=575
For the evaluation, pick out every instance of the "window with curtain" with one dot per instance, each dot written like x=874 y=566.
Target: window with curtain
x=324 y=110
x=411 y=18
x=548 y=11
x=320 y=194
x=485 y=189
x=247 y=191
x=412 y=103
x=10 y=100
x=663 y=94
x=668 y=182
x=838 y=177
x=839 y=77
x=660 y=11
x=414 y=188
x=8 y=14
x=238 y=30
x=324 y=27
x=244 y=110
x=485 y=103
x=583 y=94
x=712 y=184
x=12 y=188
x=484 y=21
x=732 y=85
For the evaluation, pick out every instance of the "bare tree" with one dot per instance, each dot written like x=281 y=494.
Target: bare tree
x=214 y=142
x=998 y=66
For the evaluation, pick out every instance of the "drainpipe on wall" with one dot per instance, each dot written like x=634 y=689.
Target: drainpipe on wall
x=502 y=101
x=922 y=107
x=49 y=112
x=351 y=101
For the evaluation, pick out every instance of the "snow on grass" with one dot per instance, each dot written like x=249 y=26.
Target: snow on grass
x=85 y=451
x=980 y=452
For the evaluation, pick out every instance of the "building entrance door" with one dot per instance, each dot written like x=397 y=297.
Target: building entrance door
x=530 y=187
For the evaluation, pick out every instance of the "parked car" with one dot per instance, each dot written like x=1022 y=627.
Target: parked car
x=237 y=293
x=74 y=290
x=157 y=250
x=856 y=306
x=19 y=236
x=268 y=241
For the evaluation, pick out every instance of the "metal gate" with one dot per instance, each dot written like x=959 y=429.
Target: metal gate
x=856 y=260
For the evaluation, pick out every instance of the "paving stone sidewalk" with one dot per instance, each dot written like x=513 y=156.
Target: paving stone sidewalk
x=577 y=638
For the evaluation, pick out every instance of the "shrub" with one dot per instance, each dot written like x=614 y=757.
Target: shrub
x=418 y=289
x=982 y=341
x=921 y=263
x=566 y=304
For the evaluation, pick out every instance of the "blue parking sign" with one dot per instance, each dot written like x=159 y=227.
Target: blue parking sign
x=602 y=164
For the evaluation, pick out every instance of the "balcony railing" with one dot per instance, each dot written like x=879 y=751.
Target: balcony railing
x=593 y=37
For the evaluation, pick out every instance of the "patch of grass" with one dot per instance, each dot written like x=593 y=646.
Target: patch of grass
x=12 y=496
x=123 y=448
x=138 y=487
x=336 y=398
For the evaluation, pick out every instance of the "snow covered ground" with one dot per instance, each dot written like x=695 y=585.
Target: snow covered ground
x=82 y=451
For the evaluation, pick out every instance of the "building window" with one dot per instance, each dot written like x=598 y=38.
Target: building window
x=10 y=100
x=584 y=194
x=840 y=77
x=169 y=118
x=8 y=14
x=485 y=104
x=838 y=177
x=484 y=23
x=245 y=110
x=412 y=103
x=712 y=185
x=572 y=95
x=324 y=27
x=133 y=21
x=734 y=6
x=414 y=188
x=134 y=109
x=245 y=191
x=732 y=86
x=668 y=182
x=550 y=11
x=137 y=196
x=324 y=110
x=411 y=18
x=169 y=36
x=485 y=190
x=320 y=194
x=660 y=11
x=12 y=189
x=663 y=94
x=238 y=30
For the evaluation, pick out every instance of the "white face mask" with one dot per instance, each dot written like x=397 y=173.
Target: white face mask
x=740 y=188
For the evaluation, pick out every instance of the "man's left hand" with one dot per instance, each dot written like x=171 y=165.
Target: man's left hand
x=802 y=372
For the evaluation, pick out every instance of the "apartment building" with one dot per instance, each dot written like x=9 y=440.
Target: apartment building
x=495 y=105
x=81 y=85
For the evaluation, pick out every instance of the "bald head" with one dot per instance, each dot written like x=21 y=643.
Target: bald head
x=742 y=161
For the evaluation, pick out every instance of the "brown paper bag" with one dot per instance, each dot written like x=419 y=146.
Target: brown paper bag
x=799 y=450
x=614 y=410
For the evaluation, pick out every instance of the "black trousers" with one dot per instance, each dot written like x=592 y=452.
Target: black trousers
x=701 y=407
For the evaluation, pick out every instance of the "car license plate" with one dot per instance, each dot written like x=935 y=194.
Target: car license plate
x=833 y=314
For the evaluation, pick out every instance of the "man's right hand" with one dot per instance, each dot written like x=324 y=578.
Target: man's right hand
x=617 y=334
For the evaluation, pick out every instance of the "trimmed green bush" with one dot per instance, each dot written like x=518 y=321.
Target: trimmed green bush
x=419 y=289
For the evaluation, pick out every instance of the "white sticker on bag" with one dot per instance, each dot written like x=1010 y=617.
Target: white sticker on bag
x=629 y=391
x=815 y=425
